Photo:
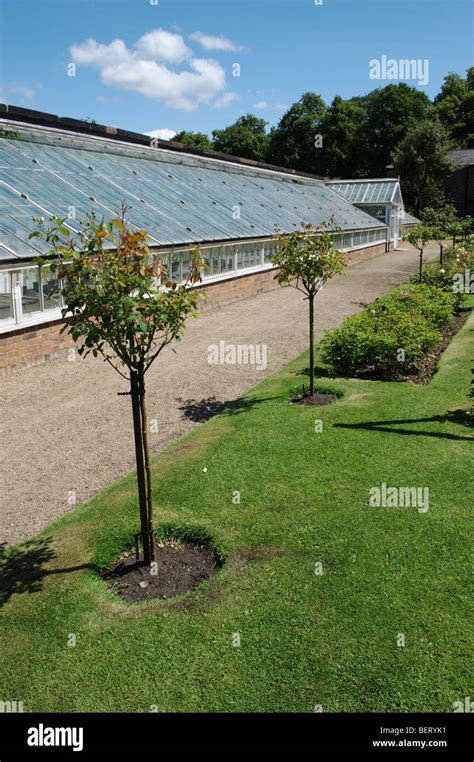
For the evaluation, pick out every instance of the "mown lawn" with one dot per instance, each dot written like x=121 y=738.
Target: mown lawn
x=306 y=639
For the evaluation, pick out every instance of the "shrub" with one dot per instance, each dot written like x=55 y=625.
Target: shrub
x=391 y=334
x=456 y=261
x=426 y=300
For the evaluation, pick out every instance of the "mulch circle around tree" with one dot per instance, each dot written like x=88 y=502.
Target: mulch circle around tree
x=318 y=398
x=180 y=567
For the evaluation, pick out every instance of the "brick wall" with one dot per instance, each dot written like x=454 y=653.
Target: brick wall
x=35 y=345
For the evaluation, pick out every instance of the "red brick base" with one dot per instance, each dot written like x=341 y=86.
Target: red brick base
x=25 y=347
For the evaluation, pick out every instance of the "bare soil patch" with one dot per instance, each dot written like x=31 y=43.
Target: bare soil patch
x=318 y=398
x=180 y=567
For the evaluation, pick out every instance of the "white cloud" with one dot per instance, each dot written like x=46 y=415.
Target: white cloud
x=226 y=100
x=264 y=106
x=163 y=134
x=160 y=45
x=143 y=69
x=210 y=42
x=23 y=92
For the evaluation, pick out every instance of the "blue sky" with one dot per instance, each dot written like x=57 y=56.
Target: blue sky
x=171 y=65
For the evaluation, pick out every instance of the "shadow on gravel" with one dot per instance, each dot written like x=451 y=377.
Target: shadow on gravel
x=22 y=568
x=202 y=410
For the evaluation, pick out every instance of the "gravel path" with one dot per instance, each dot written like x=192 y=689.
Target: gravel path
x=64 y=429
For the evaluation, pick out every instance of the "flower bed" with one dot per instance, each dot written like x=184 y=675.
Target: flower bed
x=390 y=337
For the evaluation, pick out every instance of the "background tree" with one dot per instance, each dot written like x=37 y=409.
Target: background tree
x=422 y=160
x=454 y=106
x=121 y=305
x=306 y=260
x=293 y=142
x=346 y=145
x=419 y=237
x=194 y=139
x=391 y=111
x=247 y=137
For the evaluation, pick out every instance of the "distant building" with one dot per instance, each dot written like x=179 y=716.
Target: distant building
x=459 y=186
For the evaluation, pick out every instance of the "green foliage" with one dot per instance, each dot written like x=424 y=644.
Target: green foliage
x=407 y=319
x=422 y=160
x=419 y=236
x=194 y=139
x=119 y=300
x=392 y=111
x=439 y=218
x=292 y=142
x=306 y=258
x=455 y=107
x=346 y=147
x=444 y=276
x=246 y=138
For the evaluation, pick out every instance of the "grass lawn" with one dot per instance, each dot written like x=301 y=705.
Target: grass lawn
x=306 y=639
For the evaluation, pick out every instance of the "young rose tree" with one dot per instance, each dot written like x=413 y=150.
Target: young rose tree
x=306 y=259
x=419 y=237
x=121 y=305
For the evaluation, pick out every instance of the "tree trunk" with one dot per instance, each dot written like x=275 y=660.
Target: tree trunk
x=441 y=253
x=141 y=479
x=311 y=344
x=421 y=265
x=146 y=453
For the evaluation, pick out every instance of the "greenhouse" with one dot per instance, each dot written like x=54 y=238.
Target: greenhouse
x=381 y=198
x=232 y=208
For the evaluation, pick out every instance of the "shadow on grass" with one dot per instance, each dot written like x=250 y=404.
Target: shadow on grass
x=22 y=568
x=452 y=416
x=320 y=371
x=202 y=410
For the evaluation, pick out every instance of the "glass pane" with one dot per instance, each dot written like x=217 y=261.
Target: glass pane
x=30 y=290
x=6 y=301
x=175 y=273
x=216 y=260
x=185 y=264
x=207 y=260
x=50 y=286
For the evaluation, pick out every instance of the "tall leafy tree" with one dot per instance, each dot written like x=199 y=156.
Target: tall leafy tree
x=346 y=146
x=391 y=111
x=194 y=139
x=247 y=137
x=422 y=159
x=294 y=142
x=455 y=107
x=121 y=305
